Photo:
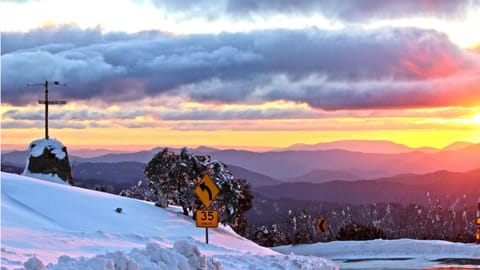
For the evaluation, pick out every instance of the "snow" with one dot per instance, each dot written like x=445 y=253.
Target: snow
x=52 y=177
x=50 y=226
x=407 y=253
x=46 y=225
x=36 y=149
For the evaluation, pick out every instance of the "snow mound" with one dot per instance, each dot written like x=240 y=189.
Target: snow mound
x=154 y=256
x=184 y=255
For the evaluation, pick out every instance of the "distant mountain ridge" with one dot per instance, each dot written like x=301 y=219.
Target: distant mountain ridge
x=457 y=146
x=364 y=146
x=290 y=164
x=412 y=188
x=321 y=176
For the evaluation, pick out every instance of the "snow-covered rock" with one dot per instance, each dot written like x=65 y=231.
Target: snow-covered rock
x=47 y=159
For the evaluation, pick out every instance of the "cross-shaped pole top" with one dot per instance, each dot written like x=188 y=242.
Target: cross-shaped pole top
x=47 y=102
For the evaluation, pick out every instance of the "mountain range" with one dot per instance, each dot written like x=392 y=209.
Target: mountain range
x=336 y=161
x=335 y=175
x=408 y=188
x=364 y=146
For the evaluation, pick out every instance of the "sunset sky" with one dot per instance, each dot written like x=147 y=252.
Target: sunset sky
x=241 y=73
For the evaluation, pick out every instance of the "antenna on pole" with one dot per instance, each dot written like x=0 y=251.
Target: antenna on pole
x=47 y=102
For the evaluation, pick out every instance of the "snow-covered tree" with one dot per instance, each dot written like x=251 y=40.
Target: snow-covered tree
x=270 y=237
x=171 y=179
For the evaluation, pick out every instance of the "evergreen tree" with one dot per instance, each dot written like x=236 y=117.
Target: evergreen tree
x=171 y=179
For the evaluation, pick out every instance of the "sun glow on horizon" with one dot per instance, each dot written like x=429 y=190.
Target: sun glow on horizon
x=476 y=119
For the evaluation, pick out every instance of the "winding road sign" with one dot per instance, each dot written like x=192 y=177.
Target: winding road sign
x=321 y=225
x=206 y=190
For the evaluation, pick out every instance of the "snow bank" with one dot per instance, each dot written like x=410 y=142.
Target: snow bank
x=390 y=254
x=184 y=255
x=400 y=248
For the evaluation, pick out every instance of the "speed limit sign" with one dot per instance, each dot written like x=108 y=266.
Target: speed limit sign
x=207 y=218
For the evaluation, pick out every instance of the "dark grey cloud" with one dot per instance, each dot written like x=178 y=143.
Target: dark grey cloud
x=63 y=37
x=344 y=10
x=235 y=114
x=81 y=114
x=233 y=67
x=39 y=124
x=382 y=94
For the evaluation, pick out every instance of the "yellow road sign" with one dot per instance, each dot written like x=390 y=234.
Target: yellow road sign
x=321 y=225
x=207 y=218
x=206 y=190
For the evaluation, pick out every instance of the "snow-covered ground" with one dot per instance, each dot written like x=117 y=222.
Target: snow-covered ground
x=47 y=225
x=396 y=254
x=58 y=227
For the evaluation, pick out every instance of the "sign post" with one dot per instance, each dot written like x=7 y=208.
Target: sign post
x=206 y=190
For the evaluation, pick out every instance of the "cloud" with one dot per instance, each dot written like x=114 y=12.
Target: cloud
x=349 y=69
x=84 y=114
x=345 y=10
x=239 y=113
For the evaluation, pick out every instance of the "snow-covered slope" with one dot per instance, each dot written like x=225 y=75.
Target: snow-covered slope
x=53 y=225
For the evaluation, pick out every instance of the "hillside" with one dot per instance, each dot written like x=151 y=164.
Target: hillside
x=45 y=223
x=405 y=188
x=255 y=179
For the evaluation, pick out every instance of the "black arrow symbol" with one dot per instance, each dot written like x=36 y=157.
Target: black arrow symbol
x=204 y=187
x=320 y=225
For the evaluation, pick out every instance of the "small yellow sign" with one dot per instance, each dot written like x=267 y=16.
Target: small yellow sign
x=321 y=225
x=206 y=190
x=207 y=218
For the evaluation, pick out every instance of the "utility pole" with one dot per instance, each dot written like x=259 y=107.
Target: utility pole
x=47 y=102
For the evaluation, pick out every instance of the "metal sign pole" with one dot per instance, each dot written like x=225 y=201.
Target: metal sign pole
x=206 y=235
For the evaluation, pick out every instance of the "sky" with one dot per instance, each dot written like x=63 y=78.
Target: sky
x=244 y=74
